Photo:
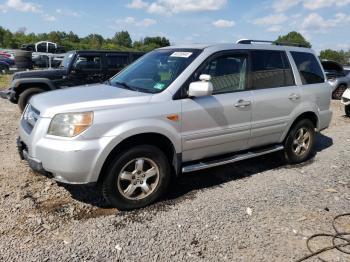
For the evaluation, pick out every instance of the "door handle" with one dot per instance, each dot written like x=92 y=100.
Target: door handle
x=294 y=97
x=242 y=103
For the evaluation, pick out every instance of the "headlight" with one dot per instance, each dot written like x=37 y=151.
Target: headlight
x=70 y=124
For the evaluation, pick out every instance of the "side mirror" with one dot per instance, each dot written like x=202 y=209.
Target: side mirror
x=201 y=88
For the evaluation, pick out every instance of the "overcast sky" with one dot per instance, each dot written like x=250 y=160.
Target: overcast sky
x=326 y=23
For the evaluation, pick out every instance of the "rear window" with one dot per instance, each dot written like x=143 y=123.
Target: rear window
x=308 y=67
x=270 y=69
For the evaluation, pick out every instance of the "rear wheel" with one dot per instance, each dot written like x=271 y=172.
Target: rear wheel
x=300 y=141
x=347 y=110
x=137 y=178
x=338 y=92
x=26 y=95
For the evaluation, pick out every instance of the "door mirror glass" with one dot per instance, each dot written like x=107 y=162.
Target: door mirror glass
x=201 y=88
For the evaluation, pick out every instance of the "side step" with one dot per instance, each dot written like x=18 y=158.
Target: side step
x=231 y=159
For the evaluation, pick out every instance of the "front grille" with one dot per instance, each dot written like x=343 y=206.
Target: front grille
x=29 y=118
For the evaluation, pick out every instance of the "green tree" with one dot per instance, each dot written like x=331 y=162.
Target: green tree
x=158 y=41
x=122 y=38
x=293 y=37
x=338 y=56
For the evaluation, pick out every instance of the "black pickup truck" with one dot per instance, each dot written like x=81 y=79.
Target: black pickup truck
x=77 y=68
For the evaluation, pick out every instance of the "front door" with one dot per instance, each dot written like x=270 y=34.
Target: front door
x=86 y=69
x=219 y=123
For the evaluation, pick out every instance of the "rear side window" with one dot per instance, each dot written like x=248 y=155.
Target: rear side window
x=308 y=67
x=117 y=61
x=270 y=69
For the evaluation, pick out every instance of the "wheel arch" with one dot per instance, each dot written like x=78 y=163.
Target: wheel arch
x=312 y=116
x=22 y=85
x=150 y=138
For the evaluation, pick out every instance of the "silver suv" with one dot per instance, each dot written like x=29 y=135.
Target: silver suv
x=177 y=110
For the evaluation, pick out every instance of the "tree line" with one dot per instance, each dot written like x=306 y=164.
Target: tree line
x=342 y=56
x=121 y=41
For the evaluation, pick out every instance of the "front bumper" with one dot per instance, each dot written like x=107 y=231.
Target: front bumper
x=33 y=163
x=8 y=94
x=70 y=161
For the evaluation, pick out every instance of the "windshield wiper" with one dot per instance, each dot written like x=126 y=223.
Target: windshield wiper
x=126 y=86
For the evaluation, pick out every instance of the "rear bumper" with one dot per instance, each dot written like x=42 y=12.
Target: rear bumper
x=8 y=94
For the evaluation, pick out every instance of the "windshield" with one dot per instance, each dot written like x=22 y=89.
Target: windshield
x=67 y=59
x=155 y=71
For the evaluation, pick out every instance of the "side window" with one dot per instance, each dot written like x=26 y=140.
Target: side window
x=42 y=47
x=228 y=73
x=308 y=67
x=117 y=61
x=270 y=69
x=87 y=62
x=52 y=48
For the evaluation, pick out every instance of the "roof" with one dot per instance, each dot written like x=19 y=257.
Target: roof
x=106 y=51
x=239 y=46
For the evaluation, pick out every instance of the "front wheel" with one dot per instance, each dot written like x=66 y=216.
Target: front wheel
x=300 y=141
x=137 y=178
x=26 y=95
x=347 y=110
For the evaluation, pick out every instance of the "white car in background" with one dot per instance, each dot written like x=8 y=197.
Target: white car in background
x=345 y=100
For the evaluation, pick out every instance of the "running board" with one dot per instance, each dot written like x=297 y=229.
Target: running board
x=231 y=159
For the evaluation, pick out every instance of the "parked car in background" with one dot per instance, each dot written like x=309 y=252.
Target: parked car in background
x=44 y=47
x=177 y=109
x=77 y=68
x=43 y=61
x=4 y=67
x=7 y=60
x=337 y=77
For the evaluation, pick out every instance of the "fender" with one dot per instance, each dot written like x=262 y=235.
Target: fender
x=301 y=109
x=132 y=128
x=15 y=85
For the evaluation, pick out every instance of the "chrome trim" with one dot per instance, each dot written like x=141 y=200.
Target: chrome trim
x=235 y=158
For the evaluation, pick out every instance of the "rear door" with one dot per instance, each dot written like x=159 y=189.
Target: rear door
x=219 y=123
x=275 y=96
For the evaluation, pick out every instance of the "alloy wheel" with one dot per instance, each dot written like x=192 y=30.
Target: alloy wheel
x=138 y=178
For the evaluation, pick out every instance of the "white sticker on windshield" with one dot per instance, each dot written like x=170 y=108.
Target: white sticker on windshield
x=181 y=54
x=70 y=55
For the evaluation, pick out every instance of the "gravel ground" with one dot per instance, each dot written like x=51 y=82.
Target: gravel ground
x=256 y=210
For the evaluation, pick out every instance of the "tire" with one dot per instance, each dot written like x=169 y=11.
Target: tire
x=26 y=95
x=4 y=69
x=338 y=92
x=295 y=142
x=143 y=191
x=347 y=110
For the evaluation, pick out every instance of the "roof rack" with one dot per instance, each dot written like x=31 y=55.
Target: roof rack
x=250 y=41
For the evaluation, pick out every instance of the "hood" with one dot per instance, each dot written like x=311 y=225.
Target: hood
x=86 y=98
x=46 y=73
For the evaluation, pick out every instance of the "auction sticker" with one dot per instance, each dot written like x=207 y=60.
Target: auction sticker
x=181 y=54
x=159 y=86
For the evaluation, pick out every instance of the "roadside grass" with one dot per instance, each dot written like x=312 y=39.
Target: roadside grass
x=4 y=81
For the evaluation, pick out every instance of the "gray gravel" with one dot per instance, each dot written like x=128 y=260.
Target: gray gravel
x=204 y=217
